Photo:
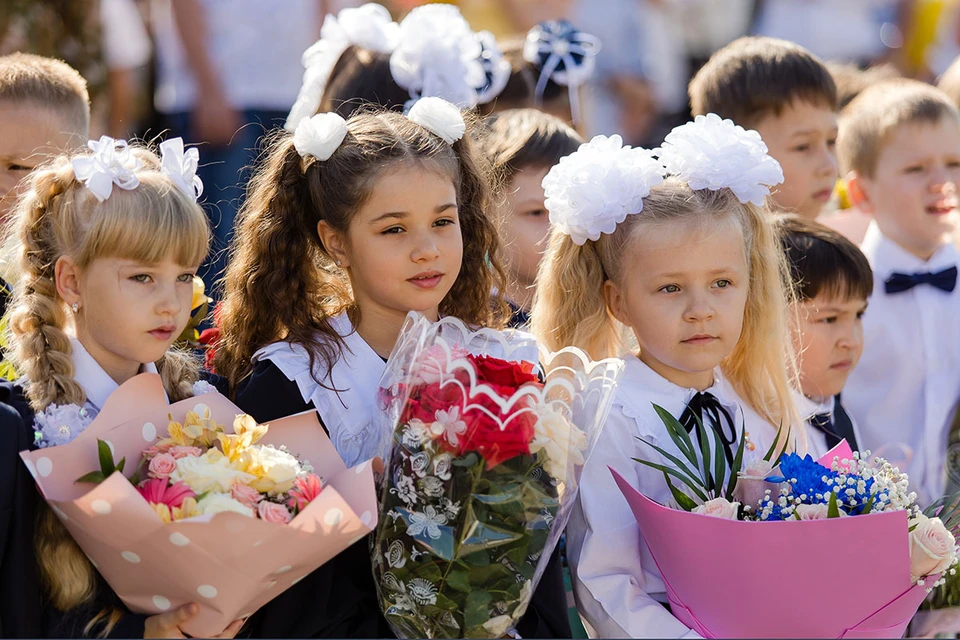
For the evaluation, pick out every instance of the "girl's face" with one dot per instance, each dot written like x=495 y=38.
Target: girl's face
x=404 y=247
x=130 y=312
x=524 y=224
x=683 y=293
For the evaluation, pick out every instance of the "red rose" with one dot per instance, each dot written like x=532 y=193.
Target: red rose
x=426 y=400
x=502 y=373
x=484 y=435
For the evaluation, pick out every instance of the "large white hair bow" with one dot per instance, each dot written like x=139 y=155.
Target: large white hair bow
x=320 y=135
x=111 y=163
x=368 y=26
x=438 y=55
x=439 y=117
x=595 y=188
x=181 y=165
x=712 y=153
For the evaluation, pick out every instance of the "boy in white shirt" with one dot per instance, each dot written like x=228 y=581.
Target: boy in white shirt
x=899 y=148
x=833 y=281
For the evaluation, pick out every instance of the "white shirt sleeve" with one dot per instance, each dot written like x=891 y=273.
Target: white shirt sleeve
x=613 y=574
x=125 y=41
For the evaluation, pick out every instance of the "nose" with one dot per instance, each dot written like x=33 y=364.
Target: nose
x=851 y=339
x=828 y=167
x=168 y=300
x=942 y=181
x=425 y=248
x=699 y=308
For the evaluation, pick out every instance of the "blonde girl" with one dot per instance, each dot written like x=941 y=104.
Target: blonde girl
x=671 y=263
x=108 y=240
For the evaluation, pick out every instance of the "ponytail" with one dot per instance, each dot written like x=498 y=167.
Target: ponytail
x=569 y=308
x=280 y=284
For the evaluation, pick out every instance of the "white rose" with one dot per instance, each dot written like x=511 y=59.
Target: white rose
x=439 y=117
x=719 y=508
x=220 y=502
x=498 y=626
x=751 y=485
x=932 y=547
x=211 y=471
x=815 y=511
x=561 y=441
x=275 y=470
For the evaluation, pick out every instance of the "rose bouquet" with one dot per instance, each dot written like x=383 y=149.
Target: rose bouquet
x=227 y=518
x=484 y=460
x=843 y=513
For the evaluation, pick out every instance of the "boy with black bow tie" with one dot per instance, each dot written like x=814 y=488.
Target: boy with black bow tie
x=899 y=148
x=832 y=280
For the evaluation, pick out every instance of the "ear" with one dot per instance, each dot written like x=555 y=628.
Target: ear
x=67 y=277
x=614 y=298
x=858 y=192
x=334 y=243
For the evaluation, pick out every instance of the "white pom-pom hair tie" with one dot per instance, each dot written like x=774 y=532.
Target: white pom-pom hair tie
x=712 y=153
x=591 y=191
x=439 y=117
x=320 y=135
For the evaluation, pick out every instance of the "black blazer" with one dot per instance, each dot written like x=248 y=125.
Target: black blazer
x=340 y=598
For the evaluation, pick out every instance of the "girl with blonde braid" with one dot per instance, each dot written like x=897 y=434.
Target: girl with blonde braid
x=108 y=241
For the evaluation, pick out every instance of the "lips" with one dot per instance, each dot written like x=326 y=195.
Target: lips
x=426 y=279
x=823 y=195
x=942 y=208
x=164 y=332
x=699 y=339
x=843 y=364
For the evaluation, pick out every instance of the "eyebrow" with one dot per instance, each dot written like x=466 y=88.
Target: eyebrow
x=400 y=215
x=713 y=272
x=808 y=132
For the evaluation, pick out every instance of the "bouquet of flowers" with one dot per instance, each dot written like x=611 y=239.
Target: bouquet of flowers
x=893 y=553
x=227 y=518
x=484 y=460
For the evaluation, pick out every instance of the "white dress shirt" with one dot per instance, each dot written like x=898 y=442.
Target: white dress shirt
x=615 y=580
x=96 y=383
x=904 y=390
x=816 y=439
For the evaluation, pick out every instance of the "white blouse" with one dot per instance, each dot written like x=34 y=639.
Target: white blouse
x=615 y=580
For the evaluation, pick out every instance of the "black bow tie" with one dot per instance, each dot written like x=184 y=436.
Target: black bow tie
x=712 y=415
x=945 y=280
x=823 y=422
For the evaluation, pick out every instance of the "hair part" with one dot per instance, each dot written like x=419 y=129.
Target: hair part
x=754 y=77
x=282 y=284
x=47 y=83
x=872 y=118
x=56 y=217
x=822 y=261
x=569 y=307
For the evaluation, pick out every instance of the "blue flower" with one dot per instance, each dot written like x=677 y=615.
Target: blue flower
x=807 y=477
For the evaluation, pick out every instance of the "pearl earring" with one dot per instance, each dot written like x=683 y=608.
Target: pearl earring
x=75 y=307
x=339 y=263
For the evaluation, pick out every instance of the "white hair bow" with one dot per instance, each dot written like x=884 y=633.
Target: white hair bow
x=181 y=166
x=439 y=117
x=320 y=135
x=112 y=163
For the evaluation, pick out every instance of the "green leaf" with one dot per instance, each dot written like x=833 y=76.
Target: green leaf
x=678 y=434
x=737 y=465
x=773 y=445
x=120 y=466
x=786 y=443
x=683 y=500
x=135 y=478
x=94 y=477
x=476 y=609
x=459 y=579
x=478 y=559
x=694 y=481
x=833 y=511
x=106 y=458
x=665 y=469
x=705 y=452
x=720 y=467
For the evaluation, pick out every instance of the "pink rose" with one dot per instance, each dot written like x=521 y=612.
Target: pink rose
x=932 y=547
x=273 y=512
x=751 y=486
x=719 y=508
x=180 y=451
x=245 y=495
x=814 y=511
x=161 y=466
x=434 y=362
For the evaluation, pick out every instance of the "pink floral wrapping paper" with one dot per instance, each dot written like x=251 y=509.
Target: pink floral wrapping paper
x=229 y=564
x=835 y=578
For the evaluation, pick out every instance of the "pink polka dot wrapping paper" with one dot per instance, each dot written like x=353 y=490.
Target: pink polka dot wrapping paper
x=229 y=564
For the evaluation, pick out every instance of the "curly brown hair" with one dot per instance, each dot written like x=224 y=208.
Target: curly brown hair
x=282 y=284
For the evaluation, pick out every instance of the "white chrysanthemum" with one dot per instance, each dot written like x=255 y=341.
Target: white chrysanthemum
x=595 y=188
x=711 y=153
x=368 y=26
x=439 y=56
x=59 y=424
